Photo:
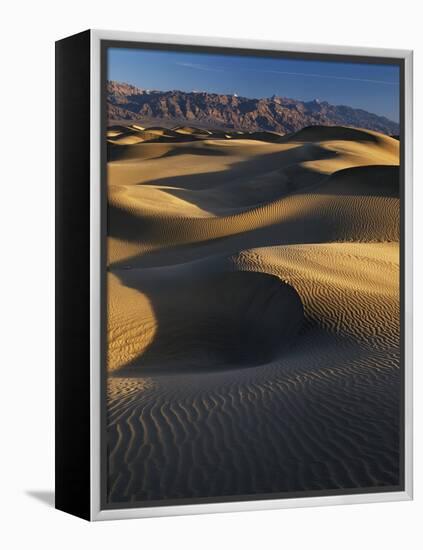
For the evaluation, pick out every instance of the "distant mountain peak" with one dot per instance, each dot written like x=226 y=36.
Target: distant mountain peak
x=231 y=111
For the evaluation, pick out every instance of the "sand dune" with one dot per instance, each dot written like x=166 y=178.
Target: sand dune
x=250 y=318
x=253 y=313
x=339 y=133
x=373 y=181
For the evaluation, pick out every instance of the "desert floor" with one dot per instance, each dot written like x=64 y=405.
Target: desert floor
x=253 y=312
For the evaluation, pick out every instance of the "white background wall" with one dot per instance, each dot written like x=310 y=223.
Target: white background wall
x=27 y=37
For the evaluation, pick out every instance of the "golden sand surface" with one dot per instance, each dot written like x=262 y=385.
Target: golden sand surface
x=253 y=312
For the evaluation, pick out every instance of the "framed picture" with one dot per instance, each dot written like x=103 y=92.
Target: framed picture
x=234 y=259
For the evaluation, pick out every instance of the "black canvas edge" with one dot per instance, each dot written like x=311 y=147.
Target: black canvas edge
x=72 y=221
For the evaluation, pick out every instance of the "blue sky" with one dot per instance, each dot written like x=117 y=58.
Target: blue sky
x=374 y=88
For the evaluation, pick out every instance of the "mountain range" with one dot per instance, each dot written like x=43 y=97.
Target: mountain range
x=277 y=114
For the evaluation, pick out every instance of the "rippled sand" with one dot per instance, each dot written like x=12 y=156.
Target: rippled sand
x=253 y=313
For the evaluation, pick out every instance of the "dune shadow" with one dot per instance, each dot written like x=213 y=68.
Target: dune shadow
x=277 y=234
x=127 y=226
x=209 y=322
x=330 y=133
x=365 y=181
x=255 y=166
x=359 y=181
x=119 y=151
x=250 y=191
x=203 y=189
x=198 y=151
